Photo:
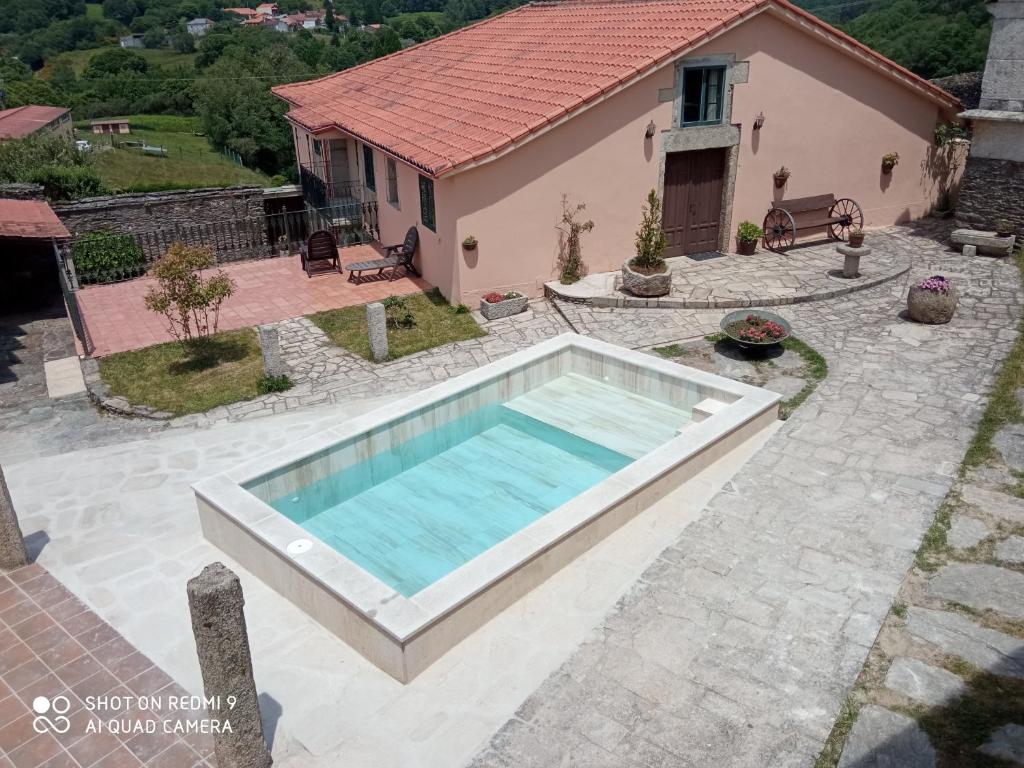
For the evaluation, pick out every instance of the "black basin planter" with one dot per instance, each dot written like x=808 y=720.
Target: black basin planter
x=755 y=328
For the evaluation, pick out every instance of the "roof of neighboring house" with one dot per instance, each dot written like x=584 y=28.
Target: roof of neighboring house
x=242 y=11
x=200 y=20
x=481 y=90
x=29 y=218
x=19 y=122
x=110 y=121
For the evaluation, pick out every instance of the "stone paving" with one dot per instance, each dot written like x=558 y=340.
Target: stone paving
x=809 y=273
x=739 y=645
x=960 y=620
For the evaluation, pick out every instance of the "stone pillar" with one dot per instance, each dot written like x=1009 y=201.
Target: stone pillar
x=12 y=543
x=218 y=622
x=377 y=325
x=271 y=347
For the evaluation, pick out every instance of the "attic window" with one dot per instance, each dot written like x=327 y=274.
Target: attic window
x=703 y=92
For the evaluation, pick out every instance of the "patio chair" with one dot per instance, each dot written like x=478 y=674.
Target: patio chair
x=320 y=246
x=396 y=257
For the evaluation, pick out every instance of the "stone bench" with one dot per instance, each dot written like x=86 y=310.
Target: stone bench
x=988 y=243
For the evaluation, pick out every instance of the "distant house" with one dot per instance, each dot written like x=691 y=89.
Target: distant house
x=110 y=126
x=198 y=27
x=700 y=100
x=21 y=122
x=278 y=25
x=267 y=9
x=131 y=41
x=310 y=20
x=244 y=13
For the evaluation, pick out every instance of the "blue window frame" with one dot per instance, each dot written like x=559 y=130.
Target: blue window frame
x=427 y=203
x=703 y=95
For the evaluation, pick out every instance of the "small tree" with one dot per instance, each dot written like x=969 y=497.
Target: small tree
x=190 y=302
x=570 y=255
x=650 y=239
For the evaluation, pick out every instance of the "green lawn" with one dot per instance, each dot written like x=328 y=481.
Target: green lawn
x=190 y=161
x=437 y=322
x=157 y=57
x=172 y=377
x=94 y=11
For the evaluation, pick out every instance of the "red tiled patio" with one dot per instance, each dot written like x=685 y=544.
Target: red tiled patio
x=267 y=291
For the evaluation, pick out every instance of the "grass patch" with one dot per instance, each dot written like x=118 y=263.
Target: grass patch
x=833 y=748
x=672 y=350
x=190 y=161
x=437 y=323
x=1003 y=407
x=934 y=547
x=94 y=11
x=815 y=370
x=157 y=57
x=899 y=608
x=180 y=379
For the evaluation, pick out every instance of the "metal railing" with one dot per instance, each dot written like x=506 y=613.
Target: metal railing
x=319 y=193
x=69 y=287
x=107 y=257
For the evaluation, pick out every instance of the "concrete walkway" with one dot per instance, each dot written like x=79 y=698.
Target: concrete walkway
x=738 y=646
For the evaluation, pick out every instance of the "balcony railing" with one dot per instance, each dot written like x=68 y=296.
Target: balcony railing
x=319 y=193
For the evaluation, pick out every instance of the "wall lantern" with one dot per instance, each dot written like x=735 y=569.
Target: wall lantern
x=759 y=121
x=651 y=128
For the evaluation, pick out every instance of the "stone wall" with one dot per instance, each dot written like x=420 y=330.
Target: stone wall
x=991 y=190
x=229 y=219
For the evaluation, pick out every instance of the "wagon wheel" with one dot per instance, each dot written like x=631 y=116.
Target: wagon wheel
x=779 y=229
x=849 y=216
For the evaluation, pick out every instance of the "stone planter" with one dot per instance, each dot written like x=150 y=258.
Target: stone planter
x=505 y=308
x=746 y=247
x=639 y=284
x=926 y=306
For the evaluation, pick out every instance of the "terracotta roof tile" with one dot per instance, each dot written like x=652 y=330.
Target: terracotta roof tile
x=19 y=122
x=29 y=218
x=468 y=94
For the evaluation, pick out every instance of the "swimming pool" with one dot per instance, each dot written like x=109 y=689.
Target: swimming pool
x=405 y=529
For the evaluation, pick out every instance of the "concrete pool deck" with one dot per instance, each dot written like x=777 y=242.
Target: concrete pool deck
x=124 y=536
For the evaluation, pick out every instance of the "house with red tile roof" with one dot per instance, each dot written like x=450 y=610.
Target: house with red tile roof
x=482 y=132
x=20 y=122
x=28 y=277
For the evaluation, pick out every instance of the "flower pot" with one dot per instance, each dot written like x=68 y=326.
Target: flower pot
x=780 y=181
x=505 y=308
x=856 y=240
x=746 y=247
x=639 y=284
x=931 y=307
x=1004 y=233
x=887 y=168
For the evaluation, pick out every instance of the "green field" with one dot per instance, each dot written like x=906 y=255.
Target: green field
x=94 y=10
x=157 y=57
x=190 y=161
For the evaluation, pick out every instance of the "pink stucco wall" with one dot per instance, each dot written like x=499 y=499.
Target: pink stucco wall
x=829 y=119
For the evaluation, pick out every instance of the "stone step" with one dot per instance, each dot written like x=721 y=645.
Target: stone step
x=980 y=586
x=884 y=739
x=985 y=648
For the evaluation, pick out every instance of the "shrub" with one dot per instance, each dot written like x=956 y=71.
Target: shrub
x=891 y=159
x=269 y=384
x=570 y=252
x=650 y=239
x=460 y=309
x=104 y=256
x=190 y=302
x=749 y=232
x=62 y=183
x=52 y=162
x=397 y=313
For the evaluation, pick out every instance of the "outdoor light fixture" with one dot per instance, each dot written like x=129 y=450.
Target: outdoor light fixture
x=651 y=128
x=759 y=121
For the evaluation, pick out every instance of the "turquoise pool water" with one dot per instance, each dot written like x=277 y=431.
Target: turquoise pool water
x=412 y=515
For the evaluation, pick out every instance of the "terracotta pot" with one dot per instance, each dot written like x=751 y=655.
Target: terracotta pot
x=856 y=241
x=887 y=168
x=931 y=307
x=746 y=247
x=780 y=181
x=639 y=284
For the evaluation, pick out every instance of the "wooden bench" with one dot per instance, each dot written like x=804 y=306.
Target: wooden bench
x=840 y=216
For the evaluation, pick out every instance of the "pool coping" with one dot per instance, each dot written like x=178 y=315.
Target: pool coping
x=404 y=620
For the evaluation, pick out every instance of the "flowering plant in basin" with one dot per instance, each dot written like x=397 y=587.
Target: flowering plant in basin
x=754 y=329
x=936 y=284
x=494 y=305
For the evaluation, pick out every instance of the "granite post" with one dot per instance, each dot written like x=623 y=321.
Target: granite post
x=12 y=544
x=216 y=603
x=271 y=347
x=377 y=326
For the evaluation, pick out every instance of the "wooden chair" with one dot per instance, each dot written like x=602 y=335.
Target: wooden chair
x=321 y=246
x=396 y=257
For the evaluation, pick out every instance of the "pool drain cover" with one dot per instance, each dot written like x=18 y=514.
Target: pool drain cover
x=299 y=546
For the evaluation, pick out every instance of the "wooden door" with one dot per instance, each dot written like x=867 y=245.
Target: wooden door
x=693 y=200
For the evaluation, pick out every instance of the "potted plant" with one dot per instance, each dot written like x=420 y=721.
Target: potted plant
x=781 y=176
x=932 y=301
x=889 y=161
x=646 y=274
x=1004 y=228
x=469 y=243
x=747 y=235
x=856 y=237
x=283 y=246
x=495 y=306
x=755 y=328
